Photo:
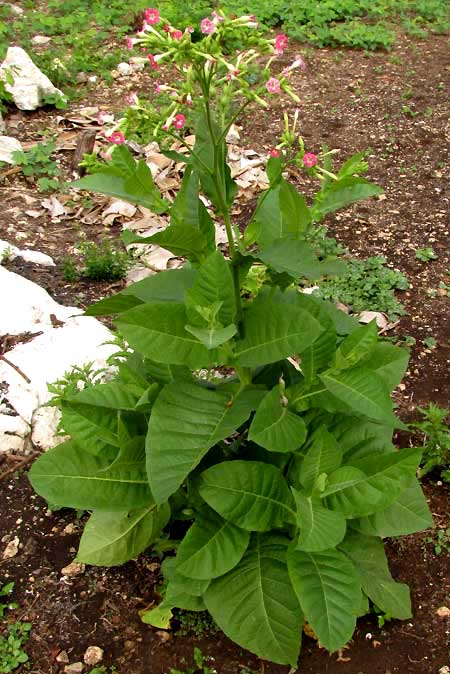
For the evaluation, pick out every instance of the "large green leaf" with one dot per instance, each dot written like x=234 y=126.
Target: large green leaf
x=181 y=240
x=211 y=547
x=272 y=331
x=359 y=438
x=329 y=591
x=357 y=346
x=158 y=332
x=320 y=528
x=342 y=193
x=91 y=426
x=389 y=362
x=166 y=286
x=189 y=209
x=371 y=484
x=322 y=456
x=292 y=256
x=126 y=179
x=213 y=284
x=254 y=603
x=295 y=212
x=251 y=494
x=267 y=220
x=364 y=392
x=319 y=356
x=367 y=553
x=408 y=514
x=275 y=427
x=68 y=476
x=186 y=421
x=110 y=539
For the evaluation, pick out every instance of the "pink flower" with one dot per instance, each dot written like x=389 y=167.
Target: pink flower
x=176 y=34
x=273 y=85
x=130 y=43
x=153 y=63
x=152 y=16
x=280 y=43
x=132 y=98
x=207 y=26
x=179 y=121
x=157 y=88
x=217 y=18
x=275 y=153
x=117 y=138
x=309 y=159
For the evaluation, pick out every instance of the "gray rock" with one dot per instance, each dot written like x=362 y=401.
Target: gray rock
x=30 y=84
x=8 y=145
x=93 y=655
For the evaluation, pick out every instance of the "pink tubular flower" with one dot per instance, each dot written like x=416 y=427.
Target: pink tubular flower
x=207 y=26
x=217 y=18
x=273 y=85
x=132 y=98
x=280 y=43
x=310 y=159
x=275 y=153
x=152 y=60
x=152 y=16
x=179 y=121
x=176 y=34
x=130 y=43
x=117 y=138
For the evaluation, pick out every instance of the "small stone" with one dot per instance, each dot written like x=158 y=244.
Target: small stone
x=74 y=668
x=14 y=9
x=163 y=636
x=124 y=68
x=444 y=670
x=93 y=655
x=129 y=645
x=69 y=529
x=73 y=569
x=40 y=39
x=36 y=257
x=443 y=612
x=92 y=79
x=62 y=657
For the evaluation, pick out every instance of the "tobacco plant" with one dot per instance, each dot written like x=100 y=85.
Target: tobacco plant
x=262 y=426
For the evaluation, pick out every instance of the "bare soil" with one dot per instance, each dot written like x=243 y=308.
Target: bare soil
x=398 y=105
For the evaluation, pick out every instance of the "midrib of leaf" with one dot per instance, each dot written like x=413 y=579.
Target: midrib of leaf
x=323 y=589
x=268 y=343
x=260 y=579
x=218 y=531
x=250 y=493
x=91 y=478
x=353 y=390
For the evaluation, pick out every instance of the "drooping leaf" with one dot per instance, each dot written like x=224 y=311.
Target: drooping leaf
x=367 y=553
x=186 y=421
x=320 y=528
x=292 y=256
x=273 y=331
x=389 y=362
x=251 y=494
x=158 y=332
x=70 y=477
x=275 y=427
x=111 y=539
x=295 y=212
x=266 y=224
x=211 y=547
x=329 y=591
x=408 y=514
x=319 y=356
x=181 y=240
x=342 y=193
x=371 y=484
x=254 y=603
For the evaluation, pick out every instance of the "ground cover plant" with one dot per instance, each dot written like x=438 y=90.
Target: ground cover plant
x=281 y=474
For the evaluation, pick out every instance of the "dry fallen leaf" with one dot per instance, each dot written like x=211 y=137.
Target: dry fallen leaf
x=11 y=549
x=54 y=206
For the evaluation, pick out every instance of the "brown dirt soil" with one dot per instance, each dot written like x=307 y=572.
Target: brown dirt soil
x=350 y=101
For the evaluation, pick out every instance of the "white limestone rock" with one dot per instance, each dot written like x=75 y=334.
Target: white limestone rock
x=8 y=251
x=8 y=145
x=30 y=84
x=2 y=124
x=36 y=257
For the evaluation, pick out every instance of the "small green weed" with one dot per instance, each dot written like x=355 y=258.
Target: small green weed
x=12 y=654
x=200 y=665
x=38 y=163
x=100 y=262
x=195 y=622
x=425 y=254
x=435 y=436
x=6 y=591
x=441 y=541
x=382 y=617
x=430 y=342
x=367 y=285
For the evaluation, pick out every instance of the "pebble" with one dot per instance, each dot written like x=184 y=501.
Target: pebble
x=62 y=657
x=73 y=569
x=74 y=668
x=443 y=612
x=93 y=655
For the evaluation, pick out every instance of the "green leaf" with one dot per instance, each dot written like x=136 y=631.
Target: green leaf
x=213 y=284
x=189 y=209
x=367 y=553
x=266 y=223
x=292 y=256
x=371 y=484
x=275 y=427
x=357 y=346
x=296 y=215
x=91 y=426
x=166 y=286
x=212 y=338
x=186 y=421
x=320 y=528
x=70 y=477
x=110 y=539
x=389 y=362
x=251 y=494
x=254 y=603
x=322 y=456
x=364 y=392
x=329 y=591
x=408 y=514
x=358 y=438
x=158 y=332
x=120 y=180
x=342 y=193
x=181 y=240
x=159 y=617
x=319 y=356
x=211 y=547
x=274 y=331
